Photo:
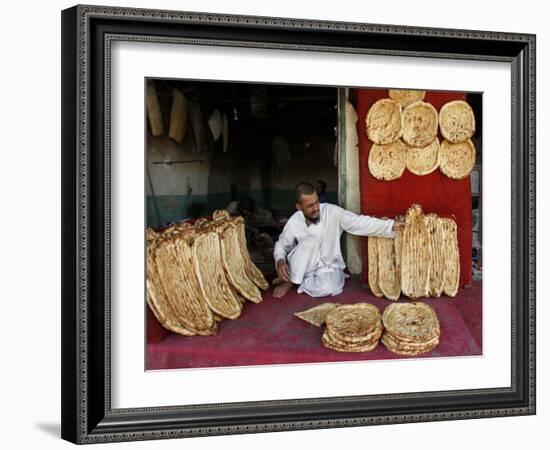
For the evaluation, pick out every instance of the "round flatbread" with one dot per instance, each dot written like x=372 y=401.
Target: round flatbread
x=369 y=338
x=405 y=343
x=405 y=97
x=408 y=349
x=354 y=322
x=419 y=124
x=457 y=121
x=387 y=162
x=329 y=343
x=423 y=160
x=413 y=322
x=384 y=122
x=457 y=160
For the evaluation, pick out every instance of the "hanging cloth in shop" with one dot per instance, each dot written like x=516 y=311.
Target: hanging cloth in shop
x=225 y=132
x=215 y=123
x=282 y=155
x=154 y=113
x=197 y=124
x=178 y=117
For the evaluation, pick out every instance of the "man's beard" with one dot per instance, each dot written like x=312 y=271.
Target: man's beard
x=312 y=220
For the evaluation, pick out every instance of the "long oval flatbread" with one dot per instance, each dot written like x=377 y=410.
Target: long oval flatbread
x=235 y=264
x=251 y=270
x=437 y=267
x=398 y=246
x=156 y=299
x=221 y=214
x=211 y=276
x=183 y=245
x=416 y=255
x=451 y=276
x=372 y=246
x=389 y=280
x=173 y=270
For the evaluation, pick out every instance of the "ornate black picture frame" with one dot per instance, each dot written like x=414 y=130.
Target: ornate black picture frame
x=87 y=414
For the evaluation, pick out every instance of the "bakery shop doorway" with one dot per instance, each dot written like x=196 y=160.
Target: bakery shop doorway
x=241 y=147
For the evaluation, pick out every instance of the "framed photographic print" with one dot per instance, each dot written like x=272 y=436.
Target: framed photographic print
x=268 y=222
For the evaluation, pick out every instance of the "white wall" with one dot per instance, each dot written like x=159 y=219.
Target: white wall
x=30 y=387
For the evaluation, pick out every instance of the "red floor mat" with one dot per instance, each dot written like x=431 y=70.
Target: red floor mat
x=269 y=333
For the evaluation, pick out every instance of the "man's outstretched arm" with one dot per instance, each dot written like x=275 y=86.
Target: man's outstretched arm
x=363 y=225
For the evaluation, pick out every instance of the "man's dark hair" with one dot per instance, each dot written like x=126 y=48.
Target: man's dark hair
x=323 y=183
x=303 y=189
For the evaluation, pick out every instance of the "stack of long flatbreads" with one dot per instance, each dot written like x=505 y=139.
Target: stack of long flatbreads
x=200 y=274
x=422 y=261
x=403 y=129
x=410 y=328
x=353 y=328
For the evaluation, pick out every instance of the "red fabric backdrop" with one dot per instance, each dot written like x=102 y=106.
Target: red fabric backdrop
x=435 y=192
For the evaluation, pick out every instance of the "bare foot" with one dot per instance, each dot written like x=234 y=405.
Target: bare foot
x=276 y=281
x=282 y=289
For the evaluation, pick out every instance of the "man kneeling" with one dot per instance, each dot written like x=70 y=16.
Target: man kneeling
x=308 y=253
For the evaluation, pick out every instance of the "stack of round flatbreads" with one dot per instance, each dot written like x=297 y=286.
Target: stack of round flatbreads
x=403 y=129
x=353 y=328
x=410 y=328
x=402 y=139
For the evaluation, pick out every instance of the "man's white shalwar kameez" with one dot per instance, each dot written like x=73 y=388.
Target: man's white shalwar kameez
x=313 y=252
